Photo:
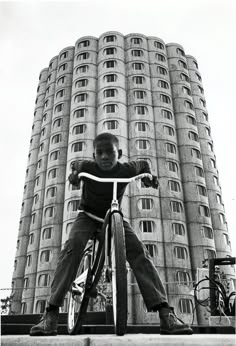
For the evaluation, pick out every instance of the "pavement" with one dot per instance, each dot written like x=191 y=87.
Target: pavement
x=127 y=340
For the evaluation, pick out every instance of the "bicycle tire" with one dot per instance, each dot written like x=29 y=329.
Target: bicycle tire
x=76 y=314
x=119 y=274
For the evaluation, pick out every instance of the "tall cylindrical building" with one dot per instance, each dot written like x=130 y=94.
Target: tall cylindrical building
x=150 y=95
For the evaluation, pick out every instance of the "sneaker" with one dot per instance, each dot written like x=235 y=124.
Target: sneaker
x=170 y=324
x=47 y=325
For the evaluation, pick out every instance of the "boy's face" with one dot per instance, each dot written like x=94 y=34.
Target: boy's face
x=106 y=155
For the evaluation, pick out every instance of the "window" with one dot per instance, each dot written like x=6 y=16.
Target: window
x=178 y=228
x=184 y=77
x=191 y=120
x=168 y=130
x=185 y=306
x=60 y=93
x=180 y=51
x=163 y=84
x=138 y=66
x=151 y=248
x=110 y=93
x=136 y=52
x=195 y=153
x=136 y=40
x=193 y=136
x=201 y=190
x=26 y=283
x=216 y=180
x=140 y=109
x=188 y=104
x=59 y=108
x=208 y=131
x=165 y=98
x=46 y=103
x=210 y=146
x=139 y=94
x=51 y=192
x=62 y=67
x=45 y=117
x=213 y=163
x=43 y=280
x=110 y=63
x=205 y=116
x=110 y=78
x=23 y=308
x=56 y=138
x=182 y=278
x=186 y=90
x=81 y=83
x=45 y=256
x=158 y=45
x=54 y=155
x=195 y=63
x=198 y=77
x=52 y=173
x=47 y=233
x=147 y=226
x=202 y=102
x=210 y=253
x=82 y=69
x=176 y=206
x=78 y=129
x=110 y=38
x=81 y=97
x=111 y=108
x=161 y=70
x=78 y=146
x=40 y=306
x=207 y=232
x=28 y=260
x=146 y=203
x=222 y=218
x=171 y=148
x=15 y=264
x=160 y=57
x=142 y=126
x=57 y=122
x=49 y=212
x=204 y=211
x=83 y=56
x=172 y=166
x=226 y=238
x=166 y=114
x=61 y=80
x=200 y=89
x=83 y=44
x=73 y=205
x=174 y=185
x=111 y=124
x=182 y=64
x=138 y=79
x=41 y=147
x=48 y=89
x=142 y=144
x=199 y=171
x=219 y=198
x=180 y=252
x=110 y=51
x=80 y=113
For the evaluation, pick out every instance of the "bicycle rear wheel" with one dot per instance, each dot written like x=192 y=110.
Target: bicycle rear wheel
x=83 y=287
x=119 y=274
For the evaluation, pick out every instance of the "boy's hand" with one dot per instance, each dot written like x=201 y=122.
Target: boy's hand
x=151 y=183
x=73 y=178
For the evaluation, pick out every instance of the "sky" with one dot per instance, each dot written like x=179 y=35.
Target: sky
x=33 y=32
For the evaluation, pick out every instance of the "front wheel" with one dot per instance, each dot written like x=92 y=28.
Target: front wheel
x=119 y=274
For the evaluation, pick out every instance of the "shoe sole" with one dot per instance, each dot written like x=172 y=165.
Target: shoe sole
x=43 y=333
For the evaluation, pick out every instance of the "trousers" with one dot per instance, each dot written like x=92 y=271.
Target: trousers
x=139 y=259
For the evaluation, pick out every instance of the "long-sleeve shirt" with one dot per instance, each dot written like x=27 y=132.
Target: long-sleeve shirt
x=96 y=196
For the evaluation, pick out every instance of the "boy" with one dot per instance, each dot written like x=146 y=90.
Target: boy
x=96 y=199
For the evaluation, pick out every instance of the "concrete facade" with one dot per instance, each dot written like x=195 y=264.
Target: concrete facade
x=151 y=96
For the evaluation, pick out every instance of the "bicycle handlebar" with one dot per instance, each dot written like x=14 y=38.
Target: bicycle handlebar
x=115 y=180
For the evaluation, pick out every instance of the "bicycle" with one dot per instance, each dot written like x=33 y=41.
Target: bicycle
x=107 y=252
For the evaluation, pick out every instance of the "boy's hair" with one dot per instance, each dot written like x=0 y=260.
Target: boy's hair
x=106 y=136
